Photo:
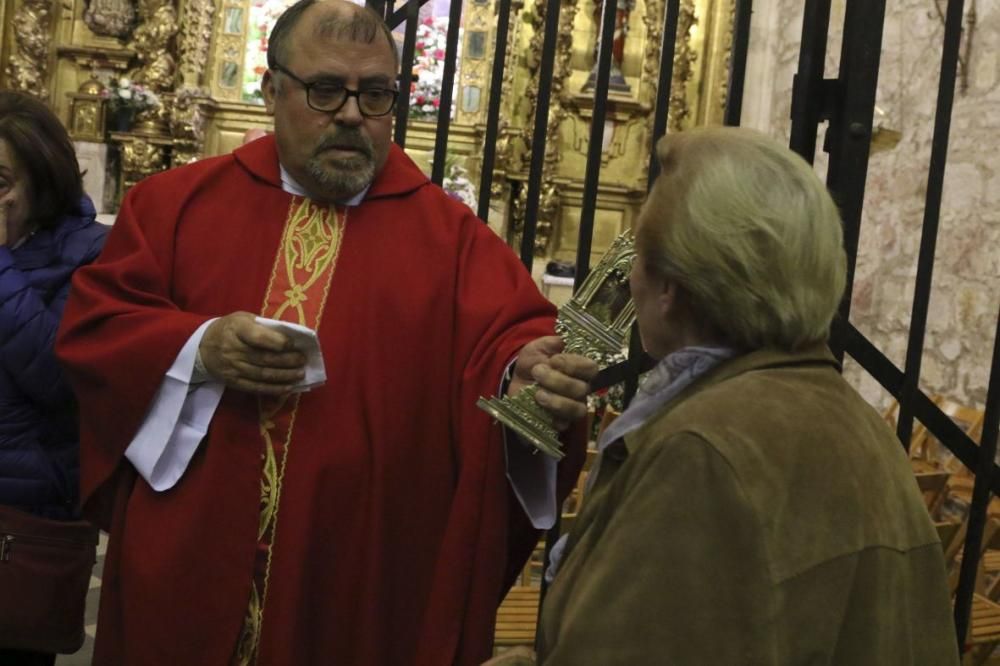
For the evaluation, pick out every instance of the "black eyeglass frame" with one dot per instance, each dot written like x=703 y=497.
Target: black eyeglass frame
x=348 y=93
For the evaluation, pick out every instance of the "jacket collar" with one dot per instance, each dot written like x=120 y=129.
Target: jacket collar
x=398 y=176
x=43 y=247
x=761 y=359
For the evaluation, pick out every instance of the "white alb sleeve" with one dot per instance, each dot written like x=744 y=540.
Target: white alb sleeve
x=532 y=474
x=177 y=420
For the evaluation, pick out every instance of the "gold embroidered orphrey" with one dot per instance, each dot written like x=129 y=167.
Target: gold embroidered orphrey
x=297 y=292
x=594 y=323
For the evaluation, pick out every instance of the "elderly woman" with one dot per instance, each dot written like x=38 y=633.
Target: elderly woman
x=749 y=507
x=47 y=231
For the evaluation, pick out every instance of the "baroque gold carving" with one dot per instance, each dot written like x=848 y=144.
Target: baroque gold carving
x=548 y=209
x=727 y=48
x=194 y=41
x=141 y=158
x=113 y=18
x=684 y=60
x=187 y=126
x=27 y=68
x=151 y=43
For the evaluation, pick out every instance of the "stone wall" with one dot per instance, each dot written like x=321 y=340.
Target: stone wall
x=966 y=288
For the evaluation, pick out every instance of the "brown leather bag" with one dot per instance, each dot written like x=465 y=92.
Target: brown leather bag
x=45 y=568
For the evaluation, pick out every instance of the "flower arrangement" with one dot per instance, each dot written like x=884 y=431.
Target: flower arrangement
x=263 y=15
x=458 y=186
x=124 y=95
x=428 y=68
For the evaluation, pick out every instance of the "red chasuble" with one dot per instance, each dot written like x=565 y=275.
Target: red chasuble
x=365 y=522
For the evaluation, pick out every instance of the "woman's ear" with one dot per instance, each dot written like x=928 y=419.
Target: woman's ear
x=669 y=298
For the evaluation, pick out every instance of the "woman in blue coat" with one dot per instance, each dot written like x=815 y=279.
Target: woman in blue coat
x=47 y=231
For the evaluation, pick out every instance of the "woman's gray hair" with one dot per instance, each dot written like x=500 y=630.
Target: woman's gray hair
x=746 y=228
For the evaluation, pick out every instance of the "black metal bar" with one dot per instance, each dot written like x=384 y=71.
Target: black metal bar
x=387 y=10
x=406 y=72
x=891 y=379
x=447 y=92
x=738 y=62
x=619 y=372
x=981 y=488
x=807 y=98
x=493 y=114
x=663 y=85
x=545 y=69
x=932 y=215
x=636 y=359
x=851 y=126
x=595 y=149
x=401 y=14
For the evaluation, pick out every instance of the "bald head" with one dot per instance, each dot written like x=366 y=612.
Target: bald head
x=333 y=20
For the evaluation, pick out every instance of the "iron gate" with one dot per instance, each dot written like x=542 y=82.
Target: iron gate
x=846 y=103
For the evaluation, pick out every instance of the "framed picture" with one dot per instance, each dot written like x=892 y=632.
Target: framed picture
x=476 y=45
x=233 y=21
x=229 y=75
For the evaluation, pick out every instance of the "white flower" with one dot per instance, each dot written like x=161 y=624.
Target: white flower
x=125 y=93
x=125 y=82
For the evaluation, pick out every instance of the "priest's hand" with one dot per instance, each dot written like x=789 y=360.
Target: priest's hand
x=564 y=379
x=246 y=356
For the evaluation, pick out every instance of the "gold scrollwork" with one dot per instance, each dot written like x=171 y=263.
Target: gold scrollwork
x=27 y=68
x=559 y=98
x=113 y=18
x=151 y=43
x=194 y=41
x=727 y=48
x=141 y=158
x=684 y=60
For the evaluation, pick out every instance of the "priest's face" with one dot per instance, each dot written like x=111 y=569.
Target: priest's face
x=334 y=155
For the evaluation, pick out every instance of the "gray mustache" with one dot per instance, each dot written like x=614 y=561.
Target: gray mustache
x=345 y=140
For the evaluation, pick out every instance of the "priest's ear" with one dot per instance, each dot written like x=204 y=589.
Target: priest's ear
x=269 y=88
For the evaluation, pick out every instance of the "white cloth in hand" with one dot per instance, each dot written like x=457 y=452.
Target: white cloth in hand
x=305 y=341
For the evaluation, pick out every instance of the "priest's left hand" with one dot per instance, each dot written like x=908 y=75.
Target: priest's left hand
x=564 y=378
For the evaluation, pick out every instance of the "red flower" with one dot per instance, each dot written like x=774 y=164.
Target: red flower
x=439 y=54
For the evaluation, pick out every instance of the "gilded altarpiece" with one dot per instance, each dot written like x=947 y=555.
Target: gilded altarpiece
x=194 y=54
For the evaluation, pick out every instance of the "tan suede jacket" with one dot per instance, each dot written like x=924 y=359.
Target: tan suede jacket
x=767 y=516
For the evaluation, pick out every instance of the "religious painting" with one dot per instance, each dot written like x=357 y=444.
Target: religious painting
x=611 y=298
x=477 y=44
x=233 y=24
x=229 y=75
x=470 y=98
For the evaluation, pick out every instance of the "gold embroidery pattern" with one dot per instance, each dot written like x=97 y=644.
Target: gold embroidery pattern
x=297 y=292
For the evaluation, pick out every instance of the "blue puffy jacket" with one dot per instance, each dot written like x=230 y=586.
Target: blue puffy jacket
x=39 y=444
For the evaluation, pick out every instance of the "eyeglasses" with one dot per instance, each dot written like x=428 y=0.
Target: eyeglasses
x=330 y=97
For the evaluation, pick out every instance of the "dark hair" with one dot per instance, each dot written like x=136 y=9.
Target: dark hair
x=45 y=153
x=356 y=24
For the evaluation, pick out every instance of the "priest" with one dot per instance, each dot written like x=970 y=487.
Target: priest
x=275 y=498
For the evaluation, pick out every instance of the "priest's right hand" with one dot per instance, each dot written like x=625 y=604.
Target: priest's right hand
x=246 y=356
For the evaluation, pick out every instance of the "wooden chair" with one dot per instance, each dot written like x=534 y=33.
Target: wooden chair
x=984 y=622
x=934 y=486
x=924 y=446
x=518 y=613
x=517 y=617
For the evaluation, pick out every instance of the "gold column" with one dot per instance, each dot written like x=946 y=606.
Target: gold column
x=27 y=69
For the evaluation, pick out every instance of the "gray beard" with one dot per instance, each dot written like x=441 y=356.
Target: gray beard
x=340 y=180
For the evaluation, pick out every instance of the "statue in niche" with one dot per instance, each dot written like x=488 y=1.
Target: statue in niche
x=112 y=18
x=616 y=81
x=151 y=43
